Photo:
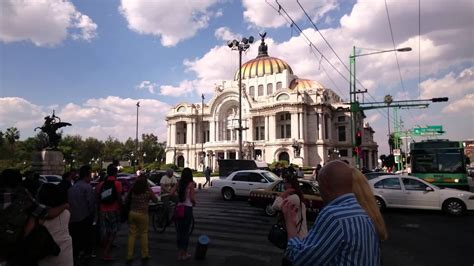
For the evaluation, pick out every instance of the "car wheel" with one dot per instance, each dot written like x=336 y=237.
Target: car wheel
x=227 y=193
x=380 y=203
x=454 y=207
x=269 y=211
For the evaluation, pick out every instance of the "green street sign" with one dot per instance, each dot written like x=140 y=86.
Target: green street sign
x=429 y=130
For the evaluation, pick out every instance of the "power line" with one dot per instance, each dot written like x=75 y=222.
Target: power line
x=393 y=42
x=329 y=45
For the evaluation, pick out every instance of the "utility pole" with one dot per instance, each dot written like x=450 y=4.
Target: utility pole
x=202 y=130
x=136 y=139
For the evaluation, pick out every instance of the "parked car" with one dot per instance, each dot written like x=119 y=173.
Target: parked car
x=127 y=181
x=411 y=192
x=156 y=176
x=264 y=198
x=372 y=175
x=240 y=183
x=52 y=179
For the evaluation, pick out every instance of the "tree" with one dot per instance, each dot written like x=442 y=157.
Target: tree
x=70 y=147
x=90 y=148
x=112 y=149
x=12 y=135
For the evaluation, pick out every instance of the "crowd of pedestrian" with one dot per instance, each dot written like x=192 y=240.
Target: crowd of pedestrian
x=70 y=222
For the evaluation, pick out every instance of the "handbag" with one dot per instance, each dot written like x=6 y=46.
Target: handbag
x=39 y=243
x=278 y=234
x=179 y=211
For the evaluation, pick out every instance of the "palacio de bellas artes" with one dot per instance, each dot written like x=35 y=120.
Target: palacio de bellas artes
x=284 y=117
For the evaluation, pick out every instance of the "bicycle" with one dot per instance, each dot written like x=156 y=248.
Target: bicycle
x=162 y=217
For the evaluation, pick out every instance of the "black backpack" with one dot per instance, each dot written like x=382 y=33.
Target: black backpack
x=108 y=193
x=12 y=223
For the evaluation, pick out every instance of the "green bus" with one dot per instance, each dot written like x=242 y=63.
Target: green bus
x=441 y=162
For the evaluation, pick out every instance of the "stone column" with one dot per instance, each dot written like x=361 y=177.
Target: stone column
x=272 y=128
x=212 y=133
x=188 y=133
x=267 y=129
x=320 y=126
x=250 y=136
x=294 y=126
x=173 y=134
x=300 y=124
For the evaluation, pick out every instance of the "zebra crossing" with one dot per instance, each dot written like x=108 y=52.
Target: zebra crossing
x=237 y=231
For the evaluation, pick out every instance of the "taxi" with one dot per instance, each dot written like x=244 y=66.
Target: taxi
x=264 y=198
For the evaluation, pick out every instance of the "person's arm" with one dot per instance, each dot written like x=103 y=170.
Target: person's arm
x=173 y=190
x=319 y=246
x=56 y=211
x=192 y=193
x=152 y=195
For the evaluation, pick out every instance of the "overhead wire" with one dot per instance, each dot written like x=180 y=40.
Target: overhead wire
x=383 y=112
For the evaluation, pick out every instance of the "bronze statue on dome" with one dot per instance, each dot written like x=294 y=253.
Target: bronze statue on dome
x=51 y=124
x=263 y=48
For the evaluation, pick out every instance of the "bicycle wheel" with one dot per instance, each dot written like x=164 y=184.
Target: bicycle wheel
x=159 y=221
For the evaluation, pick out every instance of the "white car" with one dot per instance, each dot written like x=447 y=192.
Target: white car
x=52 y=179
x=411 y=192
x=240 y=183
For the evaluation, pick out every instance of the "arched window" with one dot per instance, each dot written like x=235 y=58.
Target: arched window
x=180 y=161
x=284 y=156
x=283 y=97
x=252 y=91
x=181 y=109
x=260 y=90
x=269 y=88
x=279 y=85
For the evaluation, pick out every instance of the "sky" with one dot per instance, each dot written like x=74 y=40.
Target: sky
x=91 y=61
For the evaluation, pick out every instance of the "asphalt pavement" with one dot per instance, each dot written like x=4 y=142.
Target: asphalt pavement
x=238 y=236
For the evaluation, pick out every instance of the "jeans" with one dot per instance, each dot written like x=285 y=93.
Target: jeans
x=137 y=223
x=82 y=236
x=182 y=228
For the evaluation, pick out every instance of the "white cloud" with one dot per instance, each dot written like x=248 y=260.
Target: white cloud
x=172 y=21
x=43 y=22
x=262 y=15
x=147 y=85
x=373 y=118
x=20 y=113
x=184 y=87
x=224 y=33
x=464 y=105
x=99 y=118
x=451 y=85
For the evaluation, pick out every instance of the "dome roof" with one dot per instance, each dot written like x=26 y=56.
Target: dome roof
x=305 y=84
x=263 y=64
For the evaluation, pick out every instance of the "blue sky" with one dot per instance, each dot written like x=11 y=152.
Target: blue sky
x=87 y=59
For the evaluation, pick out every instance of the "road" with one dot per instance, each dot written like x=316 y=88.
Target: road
x=238 y=236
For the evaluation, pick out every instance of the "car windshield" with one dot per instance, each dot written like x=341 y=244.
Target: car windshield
x=52 y=178
x=271 y=177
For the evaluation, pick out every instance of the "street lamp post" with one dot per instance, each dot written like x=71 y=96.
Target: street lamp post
x=136 y=135
x=202 y=132
x=354 y=103
x=241 y=46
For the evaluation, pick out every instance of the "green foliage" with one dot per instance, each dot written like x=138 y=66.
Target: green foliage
x=169 y=166
x=78 y=151
x=275 y=163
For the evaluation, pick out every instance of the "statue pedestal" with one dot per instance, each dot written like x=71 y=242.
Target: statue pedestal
x=298 y=161
x=48 y=162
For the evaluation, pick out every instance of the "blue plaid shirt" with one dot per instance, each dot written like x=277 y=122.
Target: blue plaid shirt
x=342 y=235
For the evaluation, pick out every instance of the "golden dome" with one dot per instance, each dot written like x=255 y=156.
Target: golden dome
x=261 y=66
x=305 y=84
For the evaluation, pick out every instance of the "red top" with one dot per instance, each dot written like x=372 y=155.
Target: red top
x=114 y=206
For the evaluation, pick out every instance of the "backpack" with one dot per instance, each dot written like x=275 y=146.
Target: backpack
x=12 y=223
x=108 y=193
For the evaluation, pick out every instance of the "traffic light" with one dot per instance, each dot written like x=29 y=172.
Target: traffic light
x=358 y=138
x=355 y=150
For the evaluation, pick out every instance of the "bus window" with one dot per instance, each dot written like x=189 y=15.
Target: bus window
x=424 y=163
x=450 y=163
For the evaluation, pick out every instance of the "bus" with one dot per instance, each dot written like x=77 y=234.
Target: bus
x=441 y=162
